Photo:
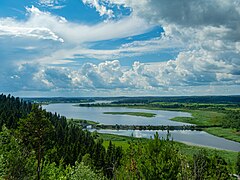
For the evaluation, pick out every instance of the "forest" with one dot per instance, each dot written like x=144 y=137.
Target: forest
x=35 y=144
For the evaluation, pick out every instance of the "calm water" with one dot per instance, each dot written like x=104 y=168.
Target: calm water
x=96 y=114
x=199 y=138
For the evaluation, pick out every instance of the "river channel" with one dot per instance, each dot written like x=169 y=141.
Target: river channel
x=199 y=138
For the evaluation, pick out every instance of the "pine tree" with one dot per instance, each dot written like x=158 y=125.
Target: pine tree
x=34 y=132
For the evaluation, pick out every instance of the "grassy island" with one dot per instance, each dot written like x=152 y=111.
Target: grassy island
x=143 y=114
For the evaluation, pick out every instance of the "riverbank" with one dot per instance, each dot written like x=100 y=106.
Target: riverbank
x=207 y=119
x=185 y=149
x=212 y=122
x=227 y=133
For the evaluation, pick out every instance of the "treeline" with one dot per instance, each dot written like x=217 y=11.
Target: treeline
x=43 y=100
x=11 y=110
x=167 y=105
x=181 y=99
x=50 y=138
x=143 y=100
x=232 y=120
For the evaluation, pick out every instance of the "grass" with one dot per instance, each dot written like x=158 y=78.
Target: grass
x=82 y=121
x=210 y=118
x=190 y=150
x=143 y=114
x=226 y=133
x=187 y=150
x=120 y=140
x=202 y=118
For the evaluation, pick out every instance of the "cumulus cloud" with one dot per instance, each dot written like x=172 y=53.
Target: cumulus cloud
x=206 y=34
x=111 y=75
x=100 y=8
x=209 y=32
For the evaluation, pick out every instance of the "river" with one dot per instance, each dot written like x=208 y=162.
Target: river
x=199 y=138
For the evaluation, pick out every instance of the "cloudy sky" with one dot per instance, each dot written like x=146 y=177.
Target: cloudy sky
x=119 y=47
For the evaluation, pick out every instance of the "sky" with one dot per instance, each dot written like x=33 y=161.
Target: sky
x=119 y=47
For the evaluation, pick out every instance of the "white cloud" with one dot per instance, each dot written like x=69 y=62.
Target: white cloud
x=135 y=48
x=44 y=25
x=54 y=4
x=111 y=75
x=209 y=32
x=100 y=8
x=205 y=33
x=79 y=33
x=10 y=27
x=39 y=27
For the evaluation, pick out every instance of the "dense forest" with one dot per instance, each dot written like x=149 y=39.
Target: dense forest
x=143 y=99
x=35 y=144
x=182 y=99
x=31 y=134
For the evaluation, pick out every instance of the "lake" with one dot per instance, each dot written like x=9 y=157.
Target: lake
x=199 y=138
x=96 y=114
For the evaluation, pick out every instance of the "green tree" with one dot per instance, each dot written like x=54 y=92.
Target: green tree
x=158 y=159
x=82 y=172
x=51 y=171
x=209 y=167
x=15 y=161
x=238 y=164
x=35 y=132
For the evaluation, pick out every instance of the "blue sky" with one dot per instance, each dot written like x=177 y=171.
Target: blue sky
x=119 y=47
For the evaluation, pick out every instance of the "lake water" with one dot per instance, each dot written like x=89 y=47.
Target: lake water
x=199 y=138
x=96 y=114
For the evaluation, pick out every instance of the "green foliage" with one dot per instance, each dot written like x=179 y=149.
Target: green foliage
x=232 y=120
x=11 y=109
x=159 y=159
x=34 y=132
x=78 y=172
x=82 y=172
x=205 y=167
x=113 y=160
x=227 y=133
x=15 y=161
x=238 y=164
x=34 y=135
x=51 y=171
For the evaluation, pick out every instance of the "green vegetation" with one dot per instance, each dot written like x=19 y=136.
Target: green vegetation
x=187 y=150
x=82 y=122
x=33 y=140
x=35 y=144
x=123 y=141
x=202 y=118
x=220 y=124
x=237 y=167
x=227 y=133
x=161 y=159
x=143 y=114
